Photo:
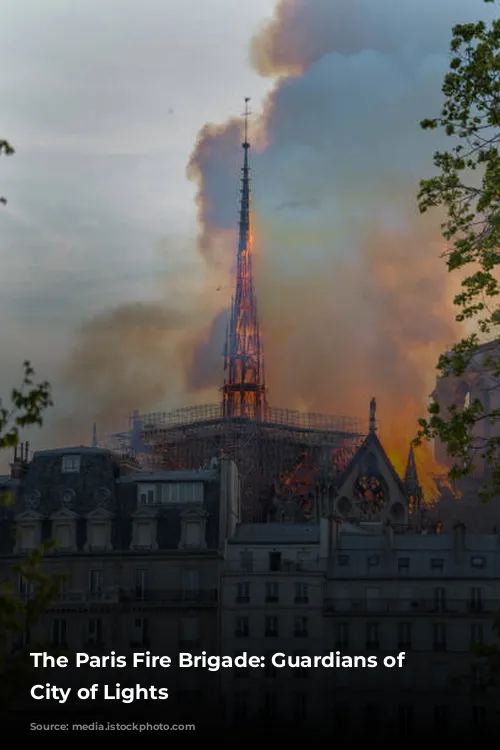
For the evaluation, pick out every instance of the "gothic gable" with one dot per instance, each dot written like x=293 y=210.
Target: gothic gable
x=370 y=488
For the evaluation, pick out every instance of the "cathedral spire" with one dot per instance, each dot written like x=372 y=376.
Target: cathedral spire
x=411 y=481
x=244 y=390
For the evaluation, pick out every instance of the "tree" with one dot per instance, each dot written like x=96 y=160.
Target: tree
x=19 y=613
x=467 y=187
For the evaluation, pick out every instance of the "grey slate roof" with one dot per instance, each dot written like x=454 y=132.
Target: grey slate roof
x=275 y=533
x=169 y=476
x=76 y=450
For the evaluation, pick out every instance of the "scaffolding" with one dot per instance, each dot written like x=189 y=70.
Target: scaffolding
x=264 y=450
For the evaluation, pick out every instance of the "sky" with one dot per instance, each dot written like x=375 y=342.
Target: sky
x=102 y=101
x=122 y=199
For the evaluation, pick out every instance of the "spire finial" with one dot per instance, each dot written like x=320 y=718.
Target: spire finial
x=246 y=115
x=373 y=412
x=94 y=436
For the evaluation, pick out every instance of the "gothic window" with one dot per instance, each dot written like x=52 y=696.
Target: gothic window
x=369 y=493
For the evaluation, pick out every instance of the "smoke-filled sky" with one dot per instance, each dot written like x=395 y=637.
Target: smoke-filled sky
x=112 y=253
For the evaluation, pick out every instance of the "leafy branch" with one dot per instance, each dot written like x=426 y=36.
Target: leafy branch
x=467 y=186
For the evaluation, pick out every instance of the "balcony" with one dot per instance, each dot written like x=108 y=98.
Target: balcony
x=70 y=599
x=170 y=596
x=414 y=607
x=245 y=567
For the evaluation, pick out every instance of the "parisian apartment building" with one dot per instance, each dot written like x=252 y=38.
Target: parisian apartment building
x=160 y=561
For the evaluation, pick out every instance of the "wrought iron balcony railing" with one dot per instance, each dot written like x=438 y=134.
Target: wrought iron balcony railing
x=243 y=568
x=353 y=606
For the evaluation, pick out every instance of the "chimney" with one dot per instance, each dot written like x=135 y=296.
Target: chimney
x=459 y=541
x=19 y=467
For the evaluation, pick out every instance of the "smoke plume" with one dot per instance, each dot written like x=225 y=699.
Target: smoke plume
x=354 y=298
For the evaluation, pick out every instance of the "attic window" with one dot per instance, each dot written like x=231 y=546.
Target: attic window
x=373 y=560
x=437 y=563
x=147 y=494
x=70 y=464
x=478 y=562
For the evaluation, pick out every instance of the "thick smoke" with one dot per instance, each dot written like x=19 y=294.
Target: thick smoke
x=354 y=297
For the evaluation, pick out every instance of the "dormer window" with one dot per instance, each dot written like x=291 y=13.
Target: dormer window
x=28 y=531
x=70 y=464
x=62 y=535
x=145 y=528
x=193 y=529
x=193 y=534
x=64 y=530
x=98 y=530
x=147 y=494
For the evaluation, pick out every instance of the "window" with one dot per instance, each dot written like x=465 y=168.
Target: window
x=190 y=581
x=26 y=588
x=243 y=593
x=98 y=535
x=59 y=632
x=404 y=566
x=301 y=593
x=476 y=634
x=143 y=535
x=28 y=538
x=476 y=599
x=94 y=630
x=342 y=635
x=343 y=560
x=440 y=676
x=342 y=717
x=373 y=561
x=300 y=706
x=190 y=632
x=437 y=564
x=140 y=578
x=405 y=720
x=371 y=718
x=478 y=562
x=440 y=600
x=372 y=635
x=404 y=635
x=439 y=636
x=441 y=717
x=95 y=581
x=272 y=592
x=301 y=629
x=269 y=706
x=240 y=705
x=193 y=534
x=241 y=627
x=62 y=535
x=246 y=560
x=182 y=493
x=147 y=494
x=140 y=635
x=373 y=600
x=478 y=718
x=70 y=464
x=271 y=627
x=275 y=561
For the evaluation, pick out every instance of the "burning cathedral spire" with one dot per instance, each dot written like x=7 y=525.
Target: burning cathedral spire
x=244 y=389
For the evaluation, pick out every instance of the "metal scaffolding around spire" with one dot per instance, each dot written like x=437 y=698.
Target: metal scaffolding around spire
x=244 y=389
